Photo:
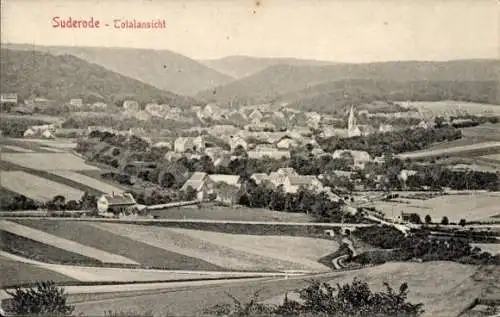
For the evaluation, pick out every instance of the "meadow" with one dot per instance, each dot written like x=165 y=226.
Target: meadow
x=472 y=207
x=452 y=106
x=14 y=273
x=87 y=181
x=445 y=288
x=63 y=244
x=147 y=255
x=231 y=213
x=174 y=248
x=35 y=187
x=48 y=161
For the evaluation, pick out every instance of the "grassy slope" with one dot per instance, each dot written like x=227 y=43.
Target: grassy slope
x=64 y=77
x=41 y=252
x=14 y=273
x=148 y=256
x=235 y=256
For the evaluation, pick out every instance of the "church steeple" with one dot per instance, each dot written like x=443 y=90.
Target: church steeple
x=351 y=123
x=352 y=127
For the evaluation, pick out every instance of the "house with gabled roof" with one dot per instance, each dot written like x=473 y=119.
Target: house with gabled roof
x=293 y=183
x=115 y=203
x=255 y=115
x=200 y=183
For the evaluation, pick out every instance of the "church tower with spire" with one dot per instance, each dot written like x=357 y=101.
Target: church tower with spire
x=352 y=127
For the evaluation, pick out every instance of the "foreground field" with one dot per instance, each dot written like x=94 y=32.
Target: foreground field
x=35 y=187
x=48 y=161
x=68 y=274
x=233 y=251
x=472 y=207
x=173 y=248
x=444 y=288
x=13 y=272
x=113 y=242
x=63 y=244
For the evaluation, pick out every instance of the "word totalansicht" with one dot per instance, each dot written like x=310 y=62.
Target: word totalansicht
x=92 y=23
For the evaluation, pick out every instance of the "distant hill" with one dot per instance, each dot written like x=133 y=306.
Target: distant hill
x=331 y=96
x=160 y=68
x=242 y=66
x=272 y=83
x=64 y=77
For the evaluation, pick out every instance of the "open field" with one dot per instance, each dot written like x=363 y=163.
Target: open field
x=35 y=187
x=81 y=275
x=444 y=287
x=465 y=150
x=48 y=161
x=493 y=248
x=493 y=158
x=148 y=255
x=33 y=117
x=451 y=106
x=231 y=213
x=472 y=207
x=32 y=249
x=303 y=251
x=484 y=131
x=241 y=252
x=66 y=144
x=14 y=272
x=15 y=149
x=87 y=181
x=64 y=244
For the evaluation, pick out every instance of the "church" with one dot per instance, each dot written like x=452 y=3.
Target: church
x=354 y=129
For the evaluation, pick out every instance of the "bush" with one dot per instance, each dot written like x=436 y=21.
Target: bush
x=45 y=299
x=321 y=299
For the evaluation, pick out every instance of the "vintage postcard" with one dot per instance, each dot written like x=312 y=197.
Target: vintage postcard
x=250 y=158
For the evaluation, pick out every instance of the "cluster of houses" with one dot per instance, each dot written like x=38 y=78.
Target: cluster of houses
x=224 y=188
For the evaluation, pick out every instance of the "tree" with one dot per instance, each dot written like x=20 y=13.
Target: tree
x=428 y=219
x=462 y=222
x=445 y=221
x=45 y=299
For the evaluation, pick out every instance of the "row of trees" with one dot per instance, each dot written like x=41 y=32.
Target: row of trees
x=58 y=203
x=265 y=195
x=378 y=144
x=418 y=245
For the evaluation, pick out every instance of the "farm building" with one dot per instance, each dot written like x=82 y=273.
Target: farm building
x=200 y=183
x=76 y=102
x=359 y=157
x=116 y=203
x=293 y=183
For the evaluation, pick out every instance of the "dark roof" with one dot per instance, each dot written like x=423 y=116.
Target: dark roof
x=120 y=199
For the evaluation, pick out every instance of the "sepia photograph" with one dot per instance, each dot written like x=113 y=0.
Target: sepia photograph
x=250 y=158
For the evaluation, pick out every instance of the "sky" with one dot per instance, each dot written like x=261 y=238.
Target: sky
x=336 y=30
